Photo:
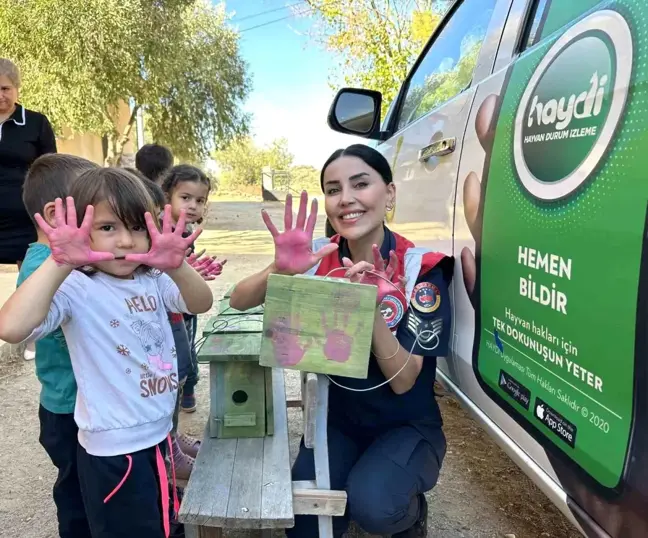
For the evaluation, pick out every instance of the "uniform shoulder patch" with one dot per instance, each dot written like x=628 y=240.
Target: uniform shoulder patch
x=426 y=297
x=392 y=310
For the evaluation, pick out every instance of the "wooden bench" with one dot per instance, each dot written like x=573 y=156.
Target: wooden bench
x=245 y=483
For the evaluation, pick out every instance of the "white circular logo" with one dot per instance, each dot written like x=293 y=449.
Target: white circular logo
x=572 y=105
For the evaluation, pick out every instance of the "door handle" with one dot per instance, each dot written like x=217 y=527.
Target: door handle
x=438 y=148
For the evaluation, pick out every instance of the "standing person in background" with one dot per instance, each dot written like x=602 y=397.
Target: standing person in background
x=25 y=135
x=153 y=160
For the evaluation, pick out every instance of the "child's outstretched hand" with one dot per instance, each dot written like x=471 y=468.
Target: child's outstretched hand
x=294 y=246
x=207 y=266
x=70 y=244
x=380 y=276
x=168 y=248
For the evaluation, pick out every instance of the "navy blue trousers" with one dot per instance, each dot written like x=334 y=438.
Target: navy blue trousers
x=382 y=476
x=58 y=436
x=191 y=324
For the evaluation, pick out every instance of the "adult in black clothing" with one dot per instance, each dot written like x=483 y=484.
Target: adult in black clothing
x=25 y=135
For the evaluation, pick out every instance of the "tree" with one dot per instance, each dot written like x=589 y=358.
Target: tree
x=242 y=161
x=304 y=177
x=377 y=39
x=84 y=59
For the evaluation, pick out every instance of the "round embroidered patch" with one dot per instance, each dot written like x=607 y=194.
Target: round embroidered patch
x=392 y=310
x=426 y=297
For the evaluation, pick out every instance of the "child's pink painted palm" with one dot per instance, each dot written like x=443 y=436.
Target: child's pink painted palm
x=70 y=243
x=168 y=248
x=207 y=266
x=294 y=246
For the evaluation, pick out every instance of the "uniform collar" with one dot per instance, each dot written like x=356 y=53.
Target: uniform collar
x=388 y=244
x=18 y=116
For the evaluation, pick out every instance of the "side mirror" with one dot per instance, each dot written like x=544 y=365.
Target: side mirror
x=357 y=112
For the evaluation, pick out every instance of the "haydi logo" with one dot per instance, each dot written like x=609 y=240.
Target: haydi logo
x=572 y=105
x=561 y=113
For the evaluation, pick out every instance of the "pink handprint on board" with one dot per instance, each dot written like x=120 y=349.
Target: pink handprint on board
x=285 y=340
x=338 y=344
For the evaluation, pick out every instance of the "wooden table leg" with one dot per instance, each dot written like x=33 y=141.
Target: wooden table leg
x=193 y=531
x=320 y=451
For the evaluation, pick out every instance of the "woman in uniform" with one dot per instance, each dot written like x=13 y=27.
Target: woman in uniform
x=386 y=445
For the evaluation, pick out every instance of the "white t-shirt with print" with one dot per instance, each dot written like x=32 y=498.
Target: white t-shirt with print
x=123 y=356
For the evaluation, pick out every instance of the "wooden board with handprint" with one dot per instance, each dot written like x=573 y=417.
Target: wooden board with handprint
x=318 y=324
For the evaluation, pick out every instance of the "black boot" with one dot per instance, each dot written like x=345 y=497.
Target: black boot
x=419 y=529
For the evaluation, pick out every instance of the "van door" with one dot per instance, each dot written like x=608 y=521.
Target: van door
x=555 y=370
x=429 y=120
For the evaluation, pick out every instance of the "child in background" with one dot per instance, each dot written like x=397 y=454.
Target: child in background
x=185 y=448
x=49 y=178
x=153 y=160
x=187 y=189
x=110 y=279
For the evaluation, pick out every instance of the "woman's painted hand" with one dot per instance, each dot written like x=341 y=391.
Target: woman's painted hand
x=294 y=246
x=375 y=274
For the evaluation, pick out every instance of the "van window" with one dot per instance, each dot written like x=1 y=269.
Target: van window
x=447 y=67
x=534 y=24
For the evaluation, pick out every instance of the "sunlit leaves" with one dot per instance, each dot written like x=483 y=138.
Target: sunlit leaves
x=81 y=58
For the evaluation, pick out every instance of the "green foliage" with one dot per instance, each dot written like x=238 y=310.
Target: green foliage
x=304 y=178
x=377 y=39
x=242 y=161
x=81 y=59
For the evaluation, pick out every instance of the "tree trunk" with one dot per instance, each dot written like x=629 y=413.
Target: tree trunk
x=111 y=158
x=117 y=141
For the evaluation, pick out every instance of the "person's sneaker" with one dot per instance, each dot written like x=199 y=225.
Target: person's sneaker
x=189 y=445
x=188 y=403
x=183 y=464
x=419 y=529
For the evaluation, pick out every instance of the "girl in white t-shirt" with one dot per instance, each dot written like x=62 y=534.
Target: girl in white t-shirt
x=109 y=282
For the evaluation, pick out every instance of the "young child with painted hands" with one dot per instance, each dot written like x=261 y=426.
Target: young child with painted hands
x=187 y=189
x=109 y=282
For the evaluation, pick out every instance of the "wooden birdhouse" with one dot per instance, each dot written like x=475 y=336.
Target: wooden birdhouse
x=318 y=324
x=240 y=389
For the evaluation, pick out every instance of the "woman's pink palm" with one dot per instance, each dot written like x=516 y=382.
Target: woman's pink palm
x=294 y=246
x=70 y=244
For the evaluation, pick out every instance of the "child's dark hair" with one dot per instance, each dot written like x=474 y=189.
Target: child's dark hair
x=182 y=173
x=125 y=193
x=153 y=160
x=128 y=197
x=49 y=178
x=153 y=188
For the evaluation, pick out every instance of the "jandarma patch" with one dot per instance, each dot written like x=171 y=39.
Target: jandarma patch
x=392 y=310
x=426 y=297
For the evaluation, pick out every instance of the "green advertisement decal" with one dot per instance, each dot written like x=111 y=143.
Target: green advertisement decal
x=564 y=222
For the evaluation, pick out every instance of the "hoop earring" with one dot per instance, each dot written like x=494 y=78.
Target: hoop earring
x=391 y=210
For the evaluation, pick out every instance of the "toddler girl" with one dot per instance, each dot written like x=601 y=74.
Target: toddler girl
x=109 y=282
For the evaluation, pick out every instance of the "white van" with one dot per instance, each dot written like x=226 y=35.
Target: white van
x=518 y=145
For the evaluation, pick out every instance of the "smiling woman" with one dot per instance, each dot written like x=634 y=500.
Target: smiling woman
x=24 y=136
x=385 y=438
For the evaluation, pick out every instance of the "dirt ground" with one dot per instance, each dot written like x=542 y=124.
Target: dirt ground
x=480 y=494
